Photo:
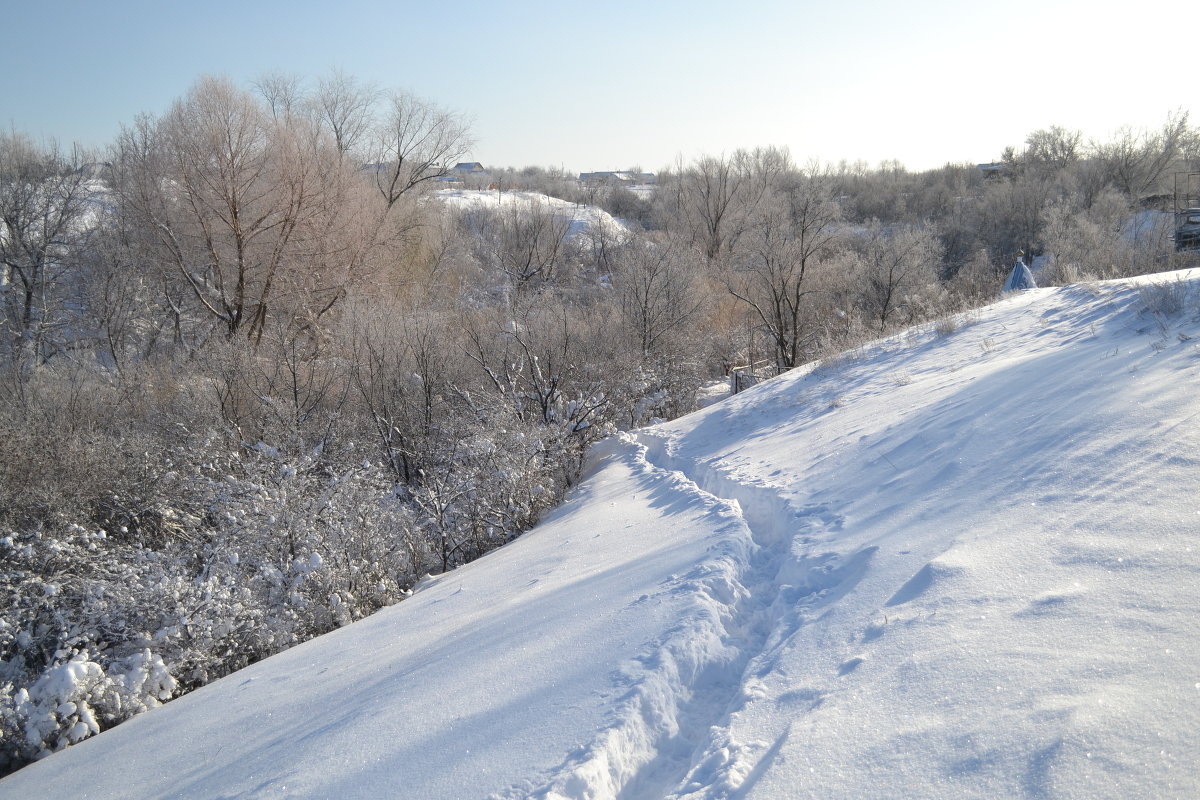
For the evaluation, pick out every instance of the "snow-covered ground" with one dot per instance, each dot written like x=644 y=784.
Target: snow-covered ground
x=582 y=218
x=955 y=563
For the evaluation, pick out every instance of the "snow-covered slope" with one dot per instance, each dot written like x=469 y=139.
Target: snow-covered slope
x=952 y=564
x=580 y=218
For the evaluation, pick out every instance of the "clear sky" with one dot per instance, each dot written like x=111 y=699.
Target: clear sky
x=609 y=84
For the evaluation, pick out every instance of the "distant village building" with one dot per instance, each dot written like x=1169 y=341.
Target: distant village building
x=469 y=168
x=471 y=174
x=993 y=170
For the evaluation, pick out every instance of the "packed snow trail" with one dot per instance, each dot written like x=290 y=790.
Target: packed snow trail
x=695 y=675
x=951 y=564
x=792 y=575
x=676 y=681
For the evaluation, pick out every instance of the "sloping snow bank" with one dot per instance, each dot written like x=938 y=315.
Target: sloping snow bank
x=1011 y=523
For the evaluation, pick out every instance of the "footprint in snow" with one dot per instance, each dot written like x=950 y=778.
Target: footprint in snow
x=850 y=665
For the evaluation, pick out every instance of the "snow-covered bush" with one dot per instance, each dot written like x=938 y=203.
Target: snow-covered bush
x=1165 y=298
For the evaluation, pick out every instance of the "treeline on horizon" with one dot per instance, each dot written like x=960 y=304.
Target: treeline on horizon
x=255 y=380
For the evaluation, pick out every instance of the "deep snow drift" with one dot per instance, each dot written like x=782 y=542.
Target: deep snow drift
x=955 y=563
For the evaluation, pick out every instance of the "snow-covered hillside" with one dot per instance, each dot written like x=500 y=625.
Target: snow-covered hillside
x=961 y=562
x=580 y=218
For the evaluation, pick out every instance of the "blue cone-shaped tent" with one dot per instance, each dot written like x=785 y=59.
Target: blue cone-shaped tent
x=1019 y=278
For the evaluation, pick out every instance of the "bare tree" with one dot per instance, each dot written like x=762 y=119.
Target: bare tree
x=715 y=197
x=118 y=297
x=715 y=184
x=414 y=142
x=541 y=361
x=1054 y=148
x=893 y=263
x=253 y=215
x=43 y=200
x=344 y=106
x=1008 y=217
x=1136 y=161
x=525 y=241
x=658 y=291
x=282 y=92
x=792 y=235
x=402 y=371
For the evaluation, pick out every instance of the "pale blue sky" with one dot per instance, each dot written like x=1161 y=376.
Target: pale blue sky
x=612 y=84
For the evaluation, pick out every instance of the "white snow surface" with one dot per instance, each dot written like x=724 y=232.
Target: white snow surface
x=582 y=218
x=947 y=565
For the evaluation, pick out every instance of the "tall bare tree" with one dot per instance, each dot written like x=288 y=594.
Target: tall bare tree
x=43 y=201
x=253 y=215
x=793 y=233
x=658 y=289
x=344 y=106
x=282 y=92
x=1137 y=161
x=414 y=143
x=1054 y=147
x=894 y=264
x=524 y=241
x=716 y=196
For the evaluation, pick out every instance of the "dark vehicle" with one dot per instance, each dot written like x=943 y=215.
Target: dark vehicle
x=1187 y=229
x=1187 y=211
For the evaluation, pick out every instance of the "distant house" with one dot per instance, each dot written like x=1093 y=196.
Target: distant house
x=472 y=174
x=993 y=170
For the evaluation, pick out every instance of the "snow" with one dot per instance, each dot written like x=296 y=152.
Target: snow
x=949 y=564
x=583 y=218
x=643 y=191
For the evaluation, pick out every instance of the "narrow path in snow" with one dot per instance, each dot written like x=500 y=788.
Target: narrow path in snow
x=676 y=683
x=791 y=570
x=768 y=567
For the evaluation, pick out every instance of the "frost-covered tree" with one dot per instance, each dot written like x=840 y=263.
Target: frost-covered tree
x=413 y=143
x=45 y=200
x=341 y=103
x=714 y=197
x=524 y=244
x=1137 y=162
x=659 y=290
x=893 y=264
x=793 y=235
x=250 y=216
x=1053 y=148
